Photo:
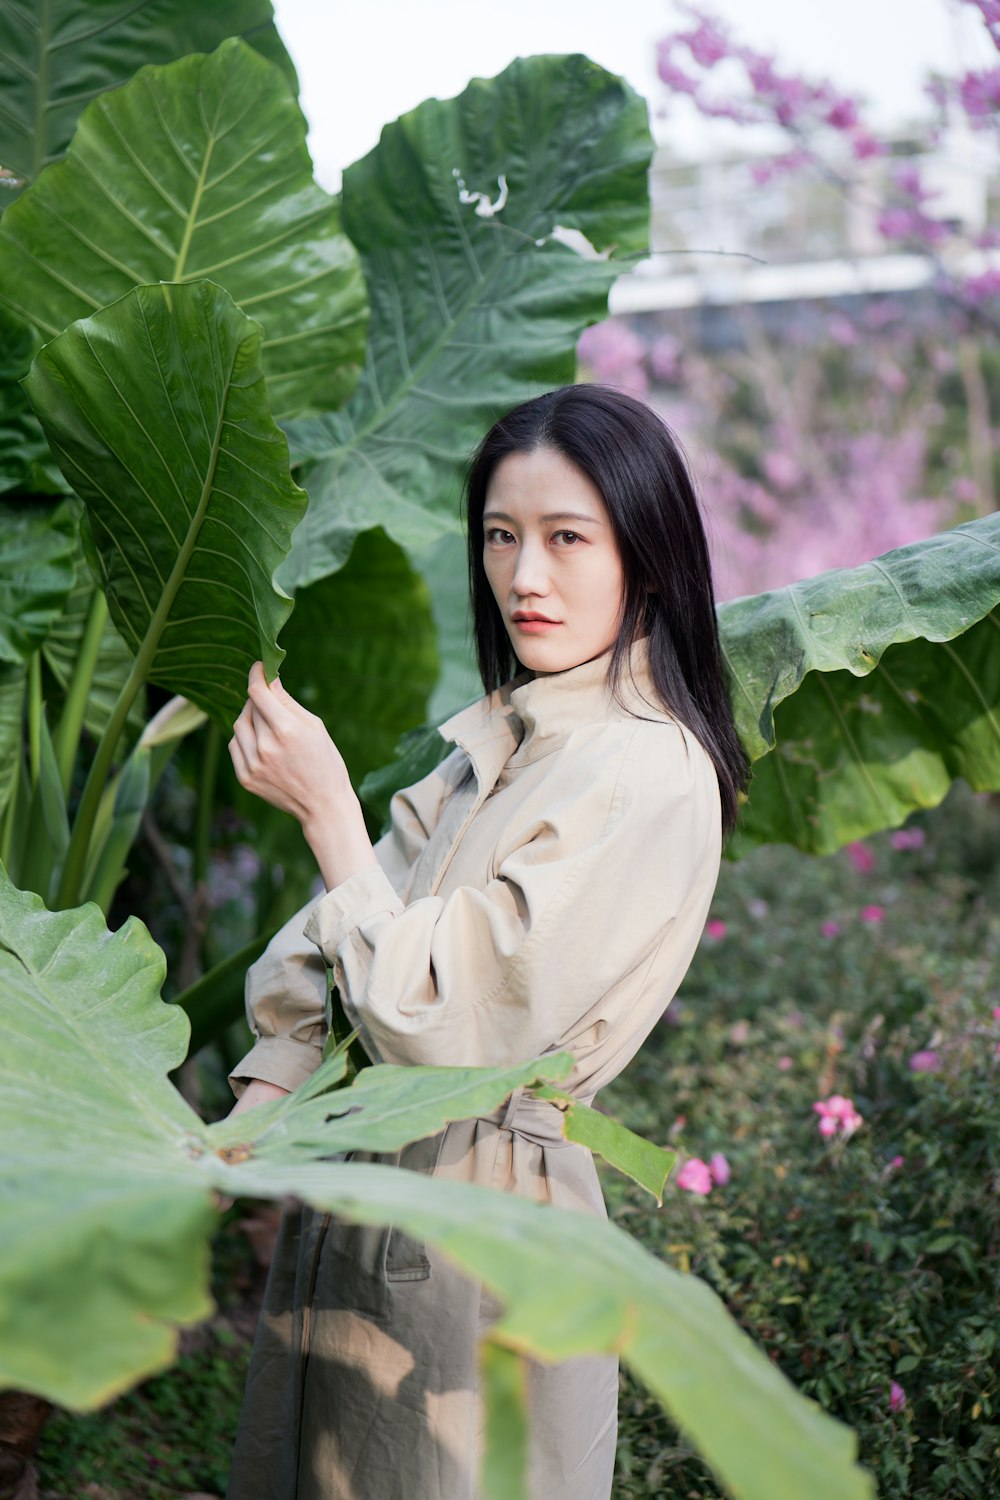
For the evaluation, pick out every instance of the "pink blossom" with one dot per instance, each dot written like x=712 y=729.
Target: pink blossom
x=616 y=355
x=842 y=331
x=861 y=858
x=979 y=288
x=715 y=928
x=872 y=914
x=785 y=1063
x=897 y=1162
x=843 y=115
x=708 y=44
x=829 y=929
x=996 y=1012
x=897 y=1396
x=695 y=1177
x=665 y=359
x=980 y=93
x=908 y=838
x=865 y=145
x=718 y=1166
x=781 y=470
x=837 y=1113
x=924 y=1062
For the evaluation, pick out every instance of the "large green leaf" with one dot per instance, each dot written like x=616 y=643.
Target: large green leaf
x=361 y=652
x=157 y=411
x=37 y=569
x=26 y=465
x=197 y=170
x=56 y=56
x=109 y=1177
x=474 y=306
x=868 y=690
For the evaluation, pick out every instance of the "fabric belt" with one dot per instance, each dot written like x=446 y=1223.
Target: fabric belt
x=539 y=1121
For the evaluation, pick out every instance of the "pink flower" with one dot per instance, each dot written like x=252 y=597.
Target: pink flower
x=719 y=1169
x=781 y=469
x=715 y=929
x=872 y=913
x=996 y=1012
x=861 y=858
x=829 y=929
x=897 y=1396
x=908 y=838
x=695 y=1177
x=837 y=1113
x=925 y=1062
x=785 y=1063
x=897 y=1162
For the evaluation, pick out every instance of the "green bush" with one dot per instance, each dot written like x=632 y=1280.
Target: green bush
x=861 y=1261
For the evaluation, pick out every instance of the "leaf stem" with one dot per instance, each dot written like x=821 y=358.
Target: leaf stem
x=67 y=736
x=35 y=716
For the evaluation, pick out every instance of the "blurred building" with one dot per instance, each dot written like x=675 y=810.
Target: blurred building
x=725 y=233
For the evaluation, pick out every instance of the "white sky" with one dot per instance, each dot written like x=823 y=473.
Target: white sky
x=364 y=62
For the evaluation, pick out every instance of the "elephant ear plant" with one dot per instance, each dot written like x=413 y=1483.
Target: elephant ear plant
x=216 y=286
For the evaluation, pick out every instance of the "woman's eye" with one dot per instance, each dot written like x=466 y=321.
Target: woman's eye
x=497 y=534
x=569 y=537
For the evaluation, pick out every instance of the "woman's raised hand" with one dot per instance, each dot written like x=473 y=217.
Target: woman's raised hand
x=283 y=753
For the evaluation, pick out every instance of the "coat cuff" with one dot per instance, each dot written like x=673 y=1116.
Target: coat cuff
x=367 y=894
x=279 y=1060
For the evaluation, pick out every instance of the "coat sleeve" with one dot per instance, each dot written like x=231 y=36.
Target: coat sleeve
x=584 y=889
x=285 y=991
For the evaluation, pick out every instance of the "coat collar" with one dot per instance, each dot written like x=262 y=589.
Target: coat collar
x=532 y=716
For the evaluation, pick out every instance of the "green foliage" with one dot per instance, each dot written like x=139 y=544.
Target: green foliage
x=849 y=1268
x=206 y=186
x=39 y=541
x=89 y=1041
x=872 y=688
x=473 y=307
x=56 y=57
x=157 y=410
x=26 y=465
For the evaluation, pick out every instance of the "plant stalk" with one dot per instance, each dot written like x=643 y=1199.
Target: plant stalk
x=66 y=739
x=35 y=717
x=83 y=824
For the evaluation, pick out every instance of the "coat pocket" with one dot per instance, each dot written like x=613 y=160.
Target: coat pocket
x=405 y=1257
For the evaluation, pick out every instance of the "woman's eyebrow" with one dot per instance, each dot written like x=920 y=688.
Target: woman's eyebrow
x=554 y=515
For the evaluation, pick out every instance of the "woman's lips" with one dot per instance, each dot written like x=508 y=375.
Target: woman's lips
x=535 y=627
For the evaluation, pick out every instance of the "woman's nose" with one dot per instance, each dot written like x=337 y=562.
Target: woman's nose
x=530 y=575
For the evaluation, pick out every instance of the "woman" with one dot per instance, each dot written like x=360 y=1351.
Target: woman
x=543 y=890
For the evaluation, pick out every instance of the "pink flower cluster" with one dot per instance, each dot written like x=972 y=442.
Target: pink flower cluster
x=697 y=1176
x=748 y=87
x=837 y=1116
x=769 y=96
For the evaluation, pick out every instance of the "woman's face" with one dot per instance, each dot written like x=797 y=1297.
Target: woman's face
x=551 y=561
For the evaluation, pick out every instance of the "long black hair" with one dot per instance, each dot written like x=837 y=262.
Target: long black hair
x=635 y=462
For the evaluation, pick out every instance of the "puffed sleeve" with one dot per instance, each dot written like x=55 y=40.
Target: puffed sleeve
x=586 y=883
x=285 y=991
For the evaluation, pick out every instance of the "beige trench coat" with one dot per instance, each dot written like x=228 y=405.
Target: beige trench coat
x=549 y=901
